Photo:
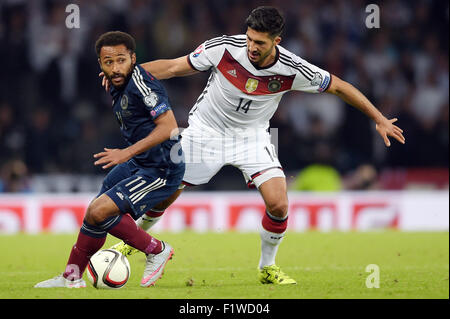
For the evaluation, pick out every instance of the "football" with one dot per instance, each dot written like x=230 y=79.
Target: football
x=108 y=269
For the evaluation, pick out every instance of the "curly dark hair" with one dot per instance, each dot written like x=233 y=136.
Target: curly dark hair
x=266 y=19
x=113 y=38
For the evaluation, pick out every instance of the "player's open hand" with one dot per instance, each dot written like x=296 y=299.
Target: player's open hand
x=111 y=157
x=386 y=128
x=105 y=82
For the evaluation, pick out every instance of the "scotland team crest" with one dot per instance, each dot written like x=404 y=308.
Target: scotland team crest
x=251 y=85
x=124 y=102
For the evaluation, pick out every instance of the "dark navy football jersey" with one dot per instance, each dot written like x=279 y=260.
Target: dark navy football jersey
x=136 y=106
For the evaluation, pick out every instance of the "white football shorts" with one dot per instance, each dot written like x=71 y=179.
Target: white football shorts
x=206 y=151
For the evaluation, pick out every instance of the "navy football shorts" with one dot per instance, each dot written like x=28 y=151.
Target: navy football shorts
x=136 y=189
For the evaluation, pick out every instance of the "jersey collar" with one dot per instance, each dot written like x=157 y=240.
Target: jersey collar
x=277 y=55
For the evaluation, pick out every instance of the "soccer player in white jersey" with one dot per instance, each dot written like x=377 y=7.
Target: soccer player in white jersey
x=249 y=74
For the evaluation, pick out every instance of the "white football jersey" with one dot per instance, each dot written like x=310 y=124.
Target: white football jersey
x=240 y=95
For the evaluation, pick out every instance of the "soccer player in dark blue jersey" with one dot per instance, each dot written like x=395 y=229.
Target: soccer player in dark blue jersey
x=145 y=173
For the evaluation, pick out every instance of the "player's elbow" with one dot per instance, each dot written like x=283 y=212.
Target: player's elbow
x=172 y=129
x=168 y=125
x=338 y=86
x=172 y=72
x=167 y=73
x=181 y=67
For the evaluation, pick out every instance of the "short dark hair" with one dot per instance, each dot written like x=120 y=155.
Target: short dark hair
x=113 y=38
x=266 y=19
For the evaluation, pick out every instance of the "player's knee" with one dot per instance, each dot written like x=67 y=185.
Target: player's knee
x=162 y=206
x=278 y=208
x=96 y=213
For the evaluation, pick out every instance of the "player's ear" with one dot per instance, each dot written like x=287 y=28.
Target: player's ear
x=133 y=58
x=277 y=40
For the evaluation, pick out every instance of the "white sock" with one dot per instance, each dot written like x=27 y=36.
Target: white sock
x=269 y=247
x=146 y=222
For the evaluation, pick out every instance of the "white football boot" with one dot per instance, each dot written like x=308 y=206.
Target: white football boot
x=154 y=267
x=61 y=282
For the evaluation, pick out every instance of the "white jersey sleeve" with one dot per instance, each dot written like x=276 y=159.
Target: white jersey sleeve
x=242 y=95
x=309 y=78
x=207 y=54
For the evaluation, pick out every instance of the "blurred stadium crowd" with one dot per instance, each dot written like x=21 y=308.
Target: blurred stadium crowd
x=54 y=115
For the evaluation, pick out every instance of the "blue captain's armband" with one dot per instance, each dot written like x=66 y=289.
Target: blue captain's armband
x=158 y=110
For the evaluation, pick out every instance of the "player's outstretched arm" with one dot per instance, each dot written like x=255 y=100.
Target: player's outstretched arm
x=168 y=68
x=354 y=97
x=166 y=126
x=162 y=69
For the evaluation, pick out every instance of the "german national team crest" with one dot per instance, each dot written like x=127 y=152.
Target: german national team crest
x=251 y=85
x=274 y=85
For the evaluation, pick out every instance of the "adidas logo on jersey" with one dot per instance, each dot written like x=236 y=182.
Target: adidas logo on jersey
x=120 y=195
x=232 y=73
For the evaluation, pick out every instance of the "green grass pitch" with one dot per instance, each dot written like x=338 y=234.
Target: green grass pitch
x=223 y=266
